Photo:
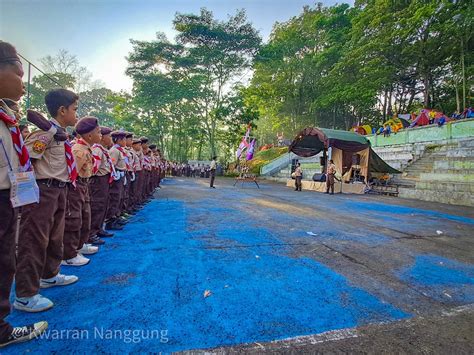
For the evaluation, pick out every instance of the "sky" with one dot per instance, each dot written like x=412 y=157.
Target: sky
x=98 y=32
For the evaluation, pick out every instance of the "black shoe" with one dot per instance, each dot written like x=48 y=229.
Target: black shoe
x=95 y=240
x=121 y=221
x=332 y=193
x=26 y=333
x=105 y=234
x=112 y=226
x=213 y=187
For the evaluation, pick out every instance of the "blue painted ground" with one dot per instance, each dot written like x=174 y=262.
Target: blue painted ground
x=151 y=278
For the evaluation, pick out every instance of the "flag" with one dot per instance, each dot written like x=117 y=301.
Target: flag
x=251 y=149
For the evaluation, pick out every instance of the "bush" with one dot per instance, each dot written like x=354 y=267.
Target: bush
x=264 y=157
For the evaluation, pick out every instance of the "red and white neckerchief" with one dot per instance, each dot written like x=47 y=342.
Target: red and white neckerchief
x=17 y=139
x=71 y=163
x=146 y=163
x=104 y=151
x=124 y=155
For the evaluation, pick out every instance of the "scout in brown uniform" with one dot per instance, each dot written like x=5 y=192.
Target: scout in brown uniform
x=118 y=159
x=154 y=164
x=78 y=216
x=40 y=245
x=138 y=168
x=126 y=201
x=11 y=87
x=146 y=169
x=100 y=183
x=330 y=177
x=133 y=159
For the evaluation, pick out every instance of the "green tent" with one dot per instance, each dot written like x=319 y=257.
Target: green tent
x=311 y=141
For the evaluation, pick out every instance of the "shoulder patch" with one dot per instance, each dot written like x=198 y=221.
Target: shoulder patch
x=39 y=146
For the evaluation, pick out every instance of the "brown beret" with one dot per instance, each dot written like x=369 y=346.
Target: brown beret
x=105 y=130
x=144 y=139
x=8 y=53
x=128 y=134
x=86 y=125
x=137 y=141
x=152 y=146
x=118 y=134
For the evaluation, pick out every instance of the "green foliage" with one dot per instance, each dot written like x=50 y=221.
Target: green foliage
x=189 y=85
x=262 y=158
x=339 y=66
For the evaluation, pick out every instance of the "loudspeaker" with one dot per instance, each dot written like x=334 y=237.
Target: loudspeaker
x=319 y=177
x=355 y=159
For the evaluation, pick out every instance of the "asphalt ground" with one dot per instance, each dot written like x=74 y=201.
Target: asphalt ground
x=242 y=269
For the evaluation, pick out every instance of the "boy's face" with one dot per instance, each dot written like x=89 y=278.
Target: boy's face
x=68 y=114
x=122 y=142
x=93 y=137
x=137 y=147
x=25 y=132
x=106 y=141
x=11 y=83
x=129 y=142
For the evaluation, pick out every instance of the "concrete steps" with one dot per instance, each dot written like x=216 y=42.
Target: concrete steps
x=445 y=173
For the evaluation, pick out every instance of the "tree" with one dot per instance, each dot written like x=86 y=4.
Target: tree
x=188 y=85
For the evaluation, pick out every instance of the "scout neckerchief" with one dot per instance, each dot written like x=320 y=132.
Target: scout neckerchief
x=124 y=155
x=81 y=141
x=109 y=160
x=22 y=152
x=71 y=163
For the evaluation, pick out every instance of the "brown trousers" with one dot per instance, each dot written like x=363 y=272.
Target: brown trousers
x=99 y=188
x=213 y=177
x=133 y=192
x=115 y=196
x=330 y=183
x=298 y=183
x=78 y=219
x=40 y=245
x=125 y=204
x=139 y=187
x=146 y=181
x=8 y=219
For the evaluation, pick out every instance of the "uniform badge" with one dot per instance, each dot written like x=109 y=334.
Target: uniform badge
x=39 y=146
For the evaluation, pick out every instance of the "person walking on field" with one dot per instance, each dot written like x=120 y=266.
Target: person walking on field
x=212 y=169
x=298 y=177
x=331 y=172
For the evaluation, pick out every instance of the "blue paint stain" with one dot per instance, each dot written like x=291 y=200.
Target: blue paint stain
x=394 y=211
x=441 y=278
x=153 y=274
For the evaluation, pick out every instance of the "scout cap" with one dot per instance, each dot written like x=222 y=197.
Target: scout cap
x=86 y=125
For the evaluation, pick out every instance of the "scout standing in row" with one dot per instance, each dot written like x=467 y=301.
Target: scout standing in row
x=78 y=216
x=104 y=172
x=40 y=246
x=116 y=190
x=11 y=88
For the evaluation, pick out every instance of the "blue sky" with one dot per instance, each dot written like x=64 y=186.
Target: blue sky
x=98 y=31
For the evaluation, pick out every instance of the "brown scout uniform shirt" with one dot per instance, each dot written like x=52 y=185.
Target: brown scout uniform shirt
x=117 y=159
x=129 y=152
x=331 y=168
x=104 y=167
x=47 y=155
x=6 y=137
x=138 y=162
x=83 y=157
